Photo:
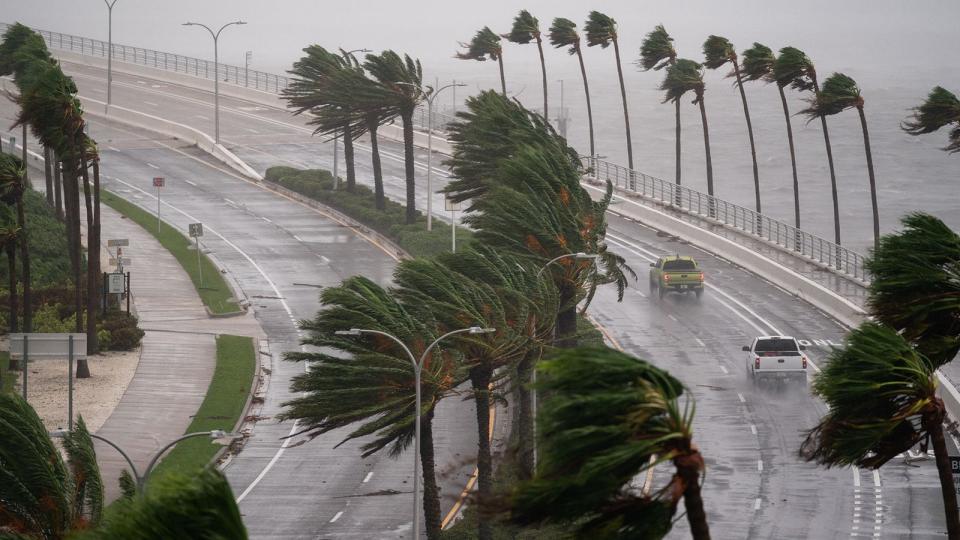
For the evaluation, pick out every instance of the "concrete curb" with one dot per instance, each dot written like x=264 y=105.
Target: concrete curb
x=222 y=457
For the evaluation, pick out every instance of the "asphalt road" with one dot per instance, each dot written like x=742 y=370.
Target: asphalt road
x=756 y=486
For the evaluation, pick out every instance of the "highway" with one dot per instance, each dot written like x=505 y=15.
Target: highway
x=755 y=486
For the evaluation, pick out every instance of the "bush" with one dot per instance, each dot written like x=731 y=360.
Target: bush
x=361 y=206
x=123 y=334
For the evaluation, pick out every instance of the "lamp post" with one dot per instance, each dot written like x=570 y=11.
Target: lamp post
x=216 y=73
x=336 y=136
x=417 y=368
x=110 y=5
x=580 y=256
x=141 y=481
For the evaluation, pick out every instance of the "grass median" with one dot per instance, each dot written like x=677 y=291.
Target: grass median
x=221 y=408
x=215 y=293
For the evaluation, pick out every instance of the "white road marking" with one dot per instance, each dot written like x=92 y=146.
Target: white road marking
x=150 y=103
x=152 y=166
x=760 y=465
x=724 y=370
x=251 y=130
x=230 y=202
x=756 y=504
x=856 y=477
x=753 y=429
x=191 y=183
x=367 y=477
x=336 y=516
x=700 y=342
x=876 y=478
x=266 y=219
x=113 y=148
x=671 y=317
x=640 y=293
x=297 y=238
x=200 y=116
x=741 y=398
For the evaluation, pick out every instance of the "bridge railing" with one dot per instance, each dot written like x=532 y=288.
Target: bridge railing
x=788 y=237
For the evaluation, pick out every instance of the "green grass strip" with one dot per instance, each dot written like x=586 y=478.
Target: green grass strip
x=221 y=408
x=215 y=293
x=6 y=377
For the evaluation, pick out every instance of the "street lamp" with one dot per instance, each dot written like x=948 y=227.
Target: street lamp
x=141 y=481
x=580 y=256
x=431 y=95
x=110 y=5
x=417 y=367
x=336 y=135
x=216 y=73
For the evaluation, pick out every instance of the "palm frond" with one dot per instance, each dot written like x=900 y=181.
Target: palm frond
x=792 y=67
x=563 y=33
x=600 y=29
x=941 y=108
x=485 y=44
x=682 y=77
x=657 y=51
x=717 y=51
x=758 y=62
x=526 y=28
x=87 y=493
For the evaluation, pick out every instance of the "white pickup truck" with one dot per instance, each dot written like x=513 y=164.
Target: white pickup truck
x=775 y=357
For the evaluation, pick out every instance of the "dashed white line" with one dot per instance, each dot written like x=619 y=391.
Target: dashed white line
x=336 y=517
x=671 y=317
x=756 y=504
x=724 y=370
x=856 y=477
x=700 y=342
x=297 y=238
x=753 y=429
x=876 y=477
x=152 y=166
x=200 y=116
x=266 y=219
x=113 y=148
x=640 y=293
x=741 y=398
x=150 y=103
x=191 y=183
x=367 y=477
x=228 y=201
x=251 y=130
x=760 y=465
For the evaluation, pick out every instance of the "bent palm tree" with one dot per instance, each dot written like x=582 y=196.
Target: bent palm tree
x=10 y=236
x=375 y=386
x=601 y=30
x=687 y=76
x=656 y=53
x=718 y=51
x=839 y=93
x=526 y=28
x=941 y=108
x=12 y=188
x=882 y=401
x=784 y=71
x=612 y=417
x=485 y=44
x=563 y=33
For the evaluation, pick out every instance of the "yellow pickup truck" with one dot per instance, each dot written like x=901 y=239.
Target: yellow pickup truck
x=677 y=274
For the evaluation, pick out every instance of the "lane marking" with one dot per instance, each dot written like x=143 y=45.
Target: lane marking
x=760 y=465
x=266 y=219
x=724 y=369
x=230 y=202
x=367 y=477
x=856 y=477
x=336 y=516
x=671 y=317
x=876 y=478
x=753 y=429
x=756 y=504
x=200 y=116
x=150 y=103
x=113 y=148
x=741 y=398
x=251 y=130
x=191 y=183
x=700 y=342
x=152 y=166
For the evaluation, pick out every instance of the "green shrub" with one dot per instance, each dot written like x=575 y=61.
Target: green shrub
x=49 y=319
x=123 y=334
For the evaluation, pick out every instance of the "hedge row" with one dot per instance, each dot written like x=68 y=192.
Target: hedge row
x=361 y=206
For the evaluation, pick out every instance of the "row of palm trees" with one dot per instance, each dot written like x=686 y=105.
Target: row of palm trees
x=48 y=105
x=791 y=67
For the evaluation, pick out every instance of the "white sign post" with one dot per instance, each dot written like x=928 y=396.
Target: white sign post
x=43 y=345
x=196 y=231
x=158 y=182
x=452 y=207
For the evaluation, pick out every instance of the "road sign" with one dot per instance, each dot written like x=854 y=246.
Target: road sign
x=118 y=242
x=115 y=283
x=196 y=230
x=158 y=181
x=124 y=261
x=450 y=206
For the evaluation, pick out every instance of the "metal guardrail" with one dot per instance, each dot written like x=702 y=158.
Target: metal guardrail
x=788 y=237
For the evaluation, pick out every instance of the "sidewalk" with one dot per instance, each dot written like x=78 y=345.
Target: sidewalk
x=177 y=358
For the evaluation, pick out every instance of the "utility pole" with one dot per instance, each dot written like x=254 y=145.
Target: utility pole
x=110 y=5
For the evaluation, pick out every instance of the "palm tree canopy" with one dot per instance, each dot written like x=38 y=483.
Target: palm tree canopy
x=940 y=109
x=717 y=51
x=400 y=79
x=877 y=388
x=526 y=28
x=52 y=110
x=792 y=67
x=367 y=378
x=200 y=506
x=916 y=285
x=682 y=77
x=758 y=62
x=600 y=30
x=657 y=50
x=310 y=74
x=563 y=33
x=485 y=44
x=608 y=415
x=12 y=173
x=839 y=92
x=14 y=39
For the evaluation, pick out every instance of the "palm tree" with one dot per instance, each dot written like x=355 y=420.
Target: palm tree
x=601 y=30
x=794 y=67
x=526 y=28
x=718 y=51
x=90 y=159
x=941 y=108
x=10 y=235
x=839 y=93
x=783 y=71
x=687 y=76
x=916 y=286
x=40 y=495
x=374 y=385
x=304 y=94
x=656 y=53
x=563 y=33
x=12 y=188
x=881 y=394
x=610 y=418
x=400 y=80
x=485 y=44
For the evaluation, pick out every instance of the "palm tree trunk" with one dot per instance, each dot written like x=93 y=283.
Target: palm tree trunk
x=93 y=256
x=410 y=174
x=525 y=419
x=379 y=200
x=623 y=97
x=873 y=180
x=71 y=195
x=934 y=426
x=753 y=147
x=543 y=71
x=692 y=498
x=586 y=91
x=11 y=250
x=833 y=174
x=348 y=158
x=25 y=267
x=48 y=174
x=480 y=379
x=677 y=151
x=503 y=80
x=567 y=320
x=431 y=493
x=26 y=177
x=706 y=146
x=793 y=160
x=57 y=186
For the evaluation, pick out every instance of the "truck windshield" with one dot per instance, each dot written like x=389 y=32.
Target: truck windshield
x=776 y=345
x=679 y=265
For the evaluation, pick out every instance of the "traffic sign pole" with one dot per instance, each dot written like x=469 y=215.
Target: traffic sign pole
x=158 y=182
x=199 y=266
x=196 y=231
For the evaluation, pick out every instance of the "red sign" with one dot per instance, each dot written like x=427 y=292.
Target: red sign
x=158 y=182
